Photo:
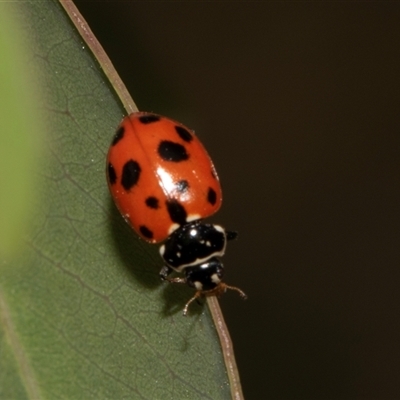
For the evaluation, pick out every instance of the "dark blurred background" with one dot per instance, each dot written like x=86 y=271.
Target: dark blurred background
x=298 y=104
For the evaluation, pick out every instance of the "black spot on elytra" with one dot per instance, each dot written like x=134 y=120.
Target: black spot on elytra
x=184 y=134
x=130 y=174
x=211 y=196
x=118 y=135
x=146 y=232
x=149 y=118
x=112 y=176
x=182 y=186
x=171 y=151
x=176 y=211
x=152 y=202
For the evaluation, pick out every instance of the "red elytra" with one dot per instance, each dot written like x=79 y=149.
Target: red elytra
x=160 y=175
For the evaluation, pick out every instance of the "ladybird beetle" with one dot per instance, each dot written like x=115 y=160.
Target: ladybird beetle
x=164 y=183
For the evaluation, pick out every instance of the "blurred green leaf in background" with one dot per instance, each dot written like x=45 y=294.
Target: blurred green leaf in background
x=21 y=132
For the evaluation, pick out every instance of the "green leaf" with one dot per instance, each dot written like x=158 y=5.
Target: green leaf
x=20 y=135
x=83 y=313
